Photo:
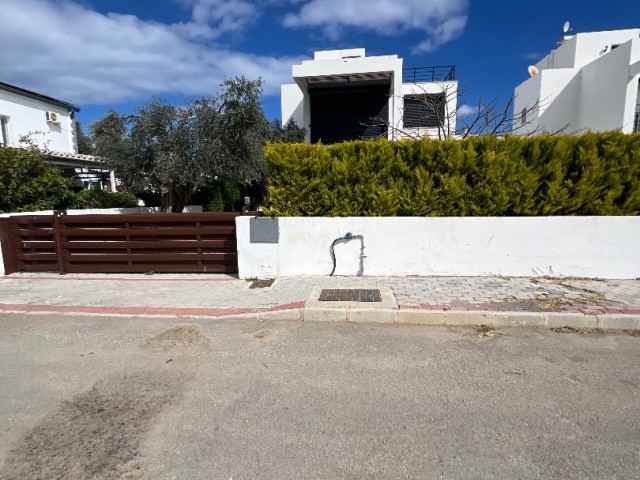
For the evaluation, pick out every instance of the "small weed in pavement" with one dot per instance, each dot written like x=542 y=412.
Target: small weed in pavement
x=633 y=333
x=552 y=304
x=567 y=329
x=487 y=331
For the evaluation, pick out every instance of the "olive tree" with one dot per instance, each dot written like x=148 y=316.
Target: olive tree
x=174 y=149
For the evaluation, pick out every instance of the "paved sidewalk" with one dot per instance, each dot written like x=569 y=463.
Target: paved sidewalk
x=216 y=295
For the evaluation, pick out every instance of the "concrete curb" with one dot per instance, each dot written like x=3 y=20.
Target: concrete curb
x=296 y=313
x=475 y=318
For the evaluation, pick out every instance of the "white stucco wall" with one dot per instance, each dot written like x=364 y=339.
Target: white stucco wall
x=29 y=115
x=334 y=64
x=603 y=247
x=557 y=93
x=292 y=103
x=585 y=84
x=562 y=57
x=604 y=94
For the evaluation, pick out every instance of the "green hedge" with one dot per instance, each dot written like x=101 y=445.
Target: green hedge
x=592 y=174
x=102 y=199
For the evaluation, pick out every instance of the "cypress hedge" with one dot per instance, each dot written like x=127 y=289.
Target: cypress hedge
x=591 y=174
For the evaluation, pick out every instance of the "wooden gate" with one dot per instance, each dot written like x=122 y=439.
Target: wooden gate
x=120 y=243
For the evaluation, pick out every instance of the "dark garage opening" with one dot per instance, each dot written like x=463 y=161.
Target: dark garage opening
x=349 y=113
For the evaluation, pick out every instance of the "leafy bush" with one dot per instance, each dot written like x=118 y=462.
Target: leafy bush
x=123 y=200
x=101 y=199
x=592 y=174
x=28 y=184
x=220 y=196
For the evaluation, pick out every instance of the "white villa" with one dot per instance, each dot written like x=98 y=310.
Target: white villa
x=345 y=95
x=591 y=82
x=50 y=123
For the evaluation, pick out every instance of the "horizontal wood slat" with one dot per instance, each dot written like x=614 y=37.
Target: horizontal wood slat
x=155 y=219
x=23 y=257
x=31 y=232
x=38 y=267
x=147 y=231
x=145 y=268
x=165 y=244
x=149 y=257
x=33 y=219
x=121 y=243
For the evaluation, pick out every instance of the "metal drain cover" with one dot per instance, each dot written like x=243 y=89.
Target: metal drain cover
x=350 y=295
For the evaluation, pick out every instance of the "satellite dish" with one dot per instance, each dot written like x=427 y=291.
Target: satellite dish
x=533 y=71
x=566 y=27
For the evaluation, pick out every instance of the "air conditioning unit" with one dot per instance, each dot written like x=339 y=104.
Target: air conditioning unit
x=53 y=117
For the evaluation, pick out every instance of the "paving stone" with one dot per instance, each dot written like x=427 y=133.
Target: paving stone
x=223 y=291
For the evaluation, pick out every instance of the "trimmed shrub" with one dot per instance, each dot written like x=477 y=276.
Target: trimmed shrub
x=28 y=184
x=592 y=174
x=101 y=199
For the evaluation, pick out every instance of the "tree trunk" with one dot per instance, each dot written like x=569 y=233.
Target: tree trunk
x=175 y=197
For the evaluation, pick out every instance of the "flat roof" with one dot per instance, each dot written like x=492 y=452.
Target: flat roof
x=37 y=96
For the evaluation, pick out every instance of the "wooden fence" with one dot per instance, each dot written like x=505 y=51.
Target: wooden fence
x=120 y=243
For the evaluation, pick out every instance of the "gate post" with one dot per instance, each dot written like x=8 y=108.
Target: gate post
x=8 y=245
x=56 y=232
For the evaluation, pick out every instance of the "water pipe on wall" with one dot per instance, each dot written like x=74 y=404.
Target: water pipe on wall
x=346 y=238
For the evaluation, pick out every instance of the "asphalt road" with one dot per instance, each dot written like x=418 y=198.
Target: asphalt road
x=127 y=398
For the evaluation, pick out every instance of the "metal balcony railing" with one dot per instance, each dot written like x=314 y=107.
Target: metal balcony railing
x=445 y=73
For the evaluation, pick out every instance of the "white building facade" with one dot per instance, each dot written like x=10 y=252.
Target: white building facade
x=51 y=125
x=591 y=82
x=345 y=95
x=46 y=120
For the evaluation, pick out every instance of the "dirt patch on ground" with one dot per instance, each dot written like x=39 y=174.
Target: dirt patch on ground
x=98 y=434
x=262 y=336
x=545 y=302
x=188 y=336
x=487 y=331
x=583 y=331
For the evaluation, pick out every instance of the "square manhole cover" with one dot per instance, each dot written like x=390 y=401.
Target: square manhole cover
x=350 y=295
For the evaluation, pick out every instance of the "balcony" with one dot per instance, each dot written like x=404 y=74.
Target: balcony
x=429 y=74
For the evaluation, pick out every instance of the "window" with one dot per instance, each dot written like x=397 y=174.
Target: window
x=4 y=131
x=424 y=110
x=523 y=116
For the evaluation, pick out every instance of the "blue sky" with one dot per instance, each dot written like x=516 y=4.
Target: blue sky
x=102 y=54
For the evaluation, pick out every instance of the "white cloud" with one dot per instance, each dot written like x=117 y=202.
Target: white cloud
x=71 y=52
x=440 y=20
x=466 y=111
x=212 y=18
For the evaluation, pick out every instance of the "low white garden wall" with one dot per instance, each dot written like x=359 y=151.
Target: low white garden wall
x=105 y=211
x=597 y=247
